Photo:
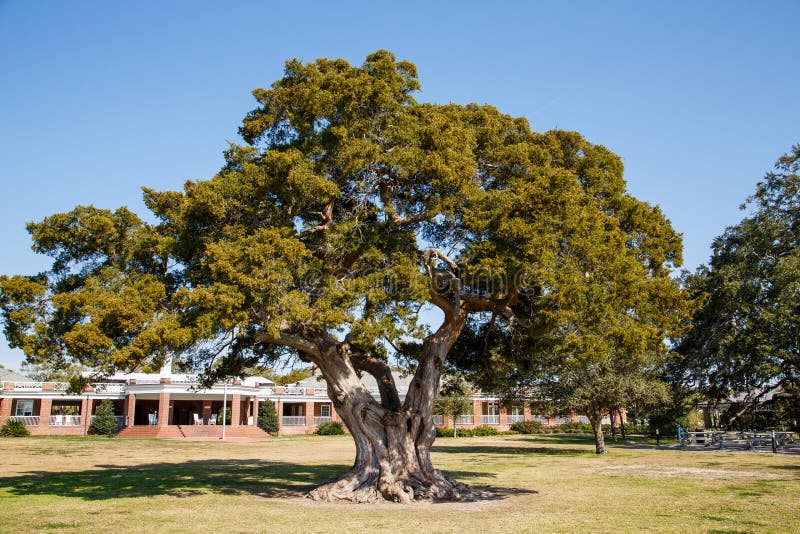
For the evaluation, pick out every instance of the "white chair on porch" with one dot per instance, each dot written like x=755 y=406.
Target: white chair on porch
x=197 y=419
x=213 y=419
x=153 y=418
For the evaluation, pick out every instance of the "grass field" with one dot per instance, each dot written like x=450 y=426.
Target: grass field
x=533 y=484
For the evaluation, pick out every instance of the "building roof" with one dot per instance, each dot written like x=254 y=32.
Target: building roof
x=402 y=381
x=7 y=375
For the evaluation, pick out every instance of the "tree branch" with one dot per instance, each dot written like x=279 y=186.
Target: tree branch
x=390 y=399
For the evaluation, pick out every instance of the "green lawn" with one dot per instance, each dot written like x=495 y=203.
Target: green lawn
x=548 y=483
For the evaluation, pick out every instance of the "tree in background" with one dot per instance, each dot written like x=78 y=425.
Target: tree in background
x=104 y=422
x=267 y=417
x=744 y=340
x=454 y=400
x=350 y=208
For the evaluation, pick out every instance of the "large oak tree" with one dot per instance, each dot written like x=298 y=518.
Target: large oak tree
x=350 y=206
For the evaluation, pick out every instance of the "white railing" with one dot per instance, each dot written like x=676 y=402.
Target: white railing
x=60 y=386
x=27 y=386
x=65 y=420
x=109 y=387
x=490 y=419
x=27 y=420
x=540 y=419
x=320 y=392
x=267 y=391
x=465 y=420
x=148 y=381
x=511 y=419
x=294 y=420
x=188 y=379
x=294 y=391
x=319 y=420
x=438 y=420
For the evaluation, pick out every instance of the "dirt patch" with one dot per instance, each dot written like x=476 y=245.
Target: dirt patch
x=486 y=499
x=673 y=471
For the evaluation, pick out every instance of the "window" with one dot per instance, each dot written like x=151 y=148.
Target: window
x=325 y=410
x=293 y=410
x=66 y=408
x=516 y=409
x=24 y=408
x=494 y=409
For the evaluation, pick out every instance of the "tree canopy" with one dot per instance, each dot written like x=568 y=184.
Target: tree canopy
x=744 y=340
x=350 y=207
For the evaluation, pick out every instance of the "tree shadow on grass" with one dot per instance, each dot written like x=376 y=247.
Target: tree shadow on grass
x=509 y=450
x=224 y=477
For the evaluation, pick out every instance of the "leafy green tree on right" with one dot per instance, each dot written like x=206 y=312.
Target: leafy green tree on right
x=745 y=339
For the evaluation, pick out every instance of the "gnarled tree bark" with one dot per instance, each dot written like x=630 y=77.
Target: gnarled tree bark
x=393 y=441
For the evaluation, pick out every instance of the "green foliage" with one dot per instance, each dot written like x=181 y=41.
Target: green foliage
x=104 y=422
x=528 y=427
x=224 y=412
x=331 y=428
x=322 y=237
x=484 y=430
x=573 y=428
x=449 y=432
x=741 y=342
x=293 y=376
x=455 y=398
x=14 y=429
x=267 y=417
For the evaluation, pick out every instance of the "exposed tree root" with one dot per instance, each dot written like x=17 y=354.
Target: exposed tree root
x=372 y=487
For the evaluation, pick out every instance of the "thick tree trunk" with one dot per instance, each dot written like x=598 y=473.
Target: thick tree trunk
x=596 y=418
x=392 y=443
x=389 y=464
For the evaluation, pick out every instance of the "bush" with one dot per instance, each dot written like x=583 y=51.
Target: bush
x=448 y=433
x=334 y=428
x=104 y=422
x=484 y=430
x=574 y=428
x=226 y=412
x=267 y=417
x=14 y=429
x=528 y=427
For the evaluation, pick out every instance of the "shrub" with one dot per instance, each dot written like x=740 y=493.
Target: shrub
x=14 y=429
x=226 y=412
x=333 y=428
x=448 y=432
x=575 y=428
x=267 y=417
x=528 y=427
x=484 y=430
x=104 y=422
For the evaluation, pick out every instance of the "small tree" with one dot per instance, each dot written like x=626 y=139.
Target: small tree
x=226 y=413
x=267 y=417
x=454 y=400
x=104 y=422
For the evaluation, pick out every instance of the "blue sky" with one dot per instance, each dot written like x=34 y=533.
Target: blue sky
x=100 y=98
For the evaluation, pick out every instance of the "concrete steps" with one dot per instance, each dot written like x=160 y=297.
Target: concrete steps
x=191 y=432
x=172 y=432
x=215 y=431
